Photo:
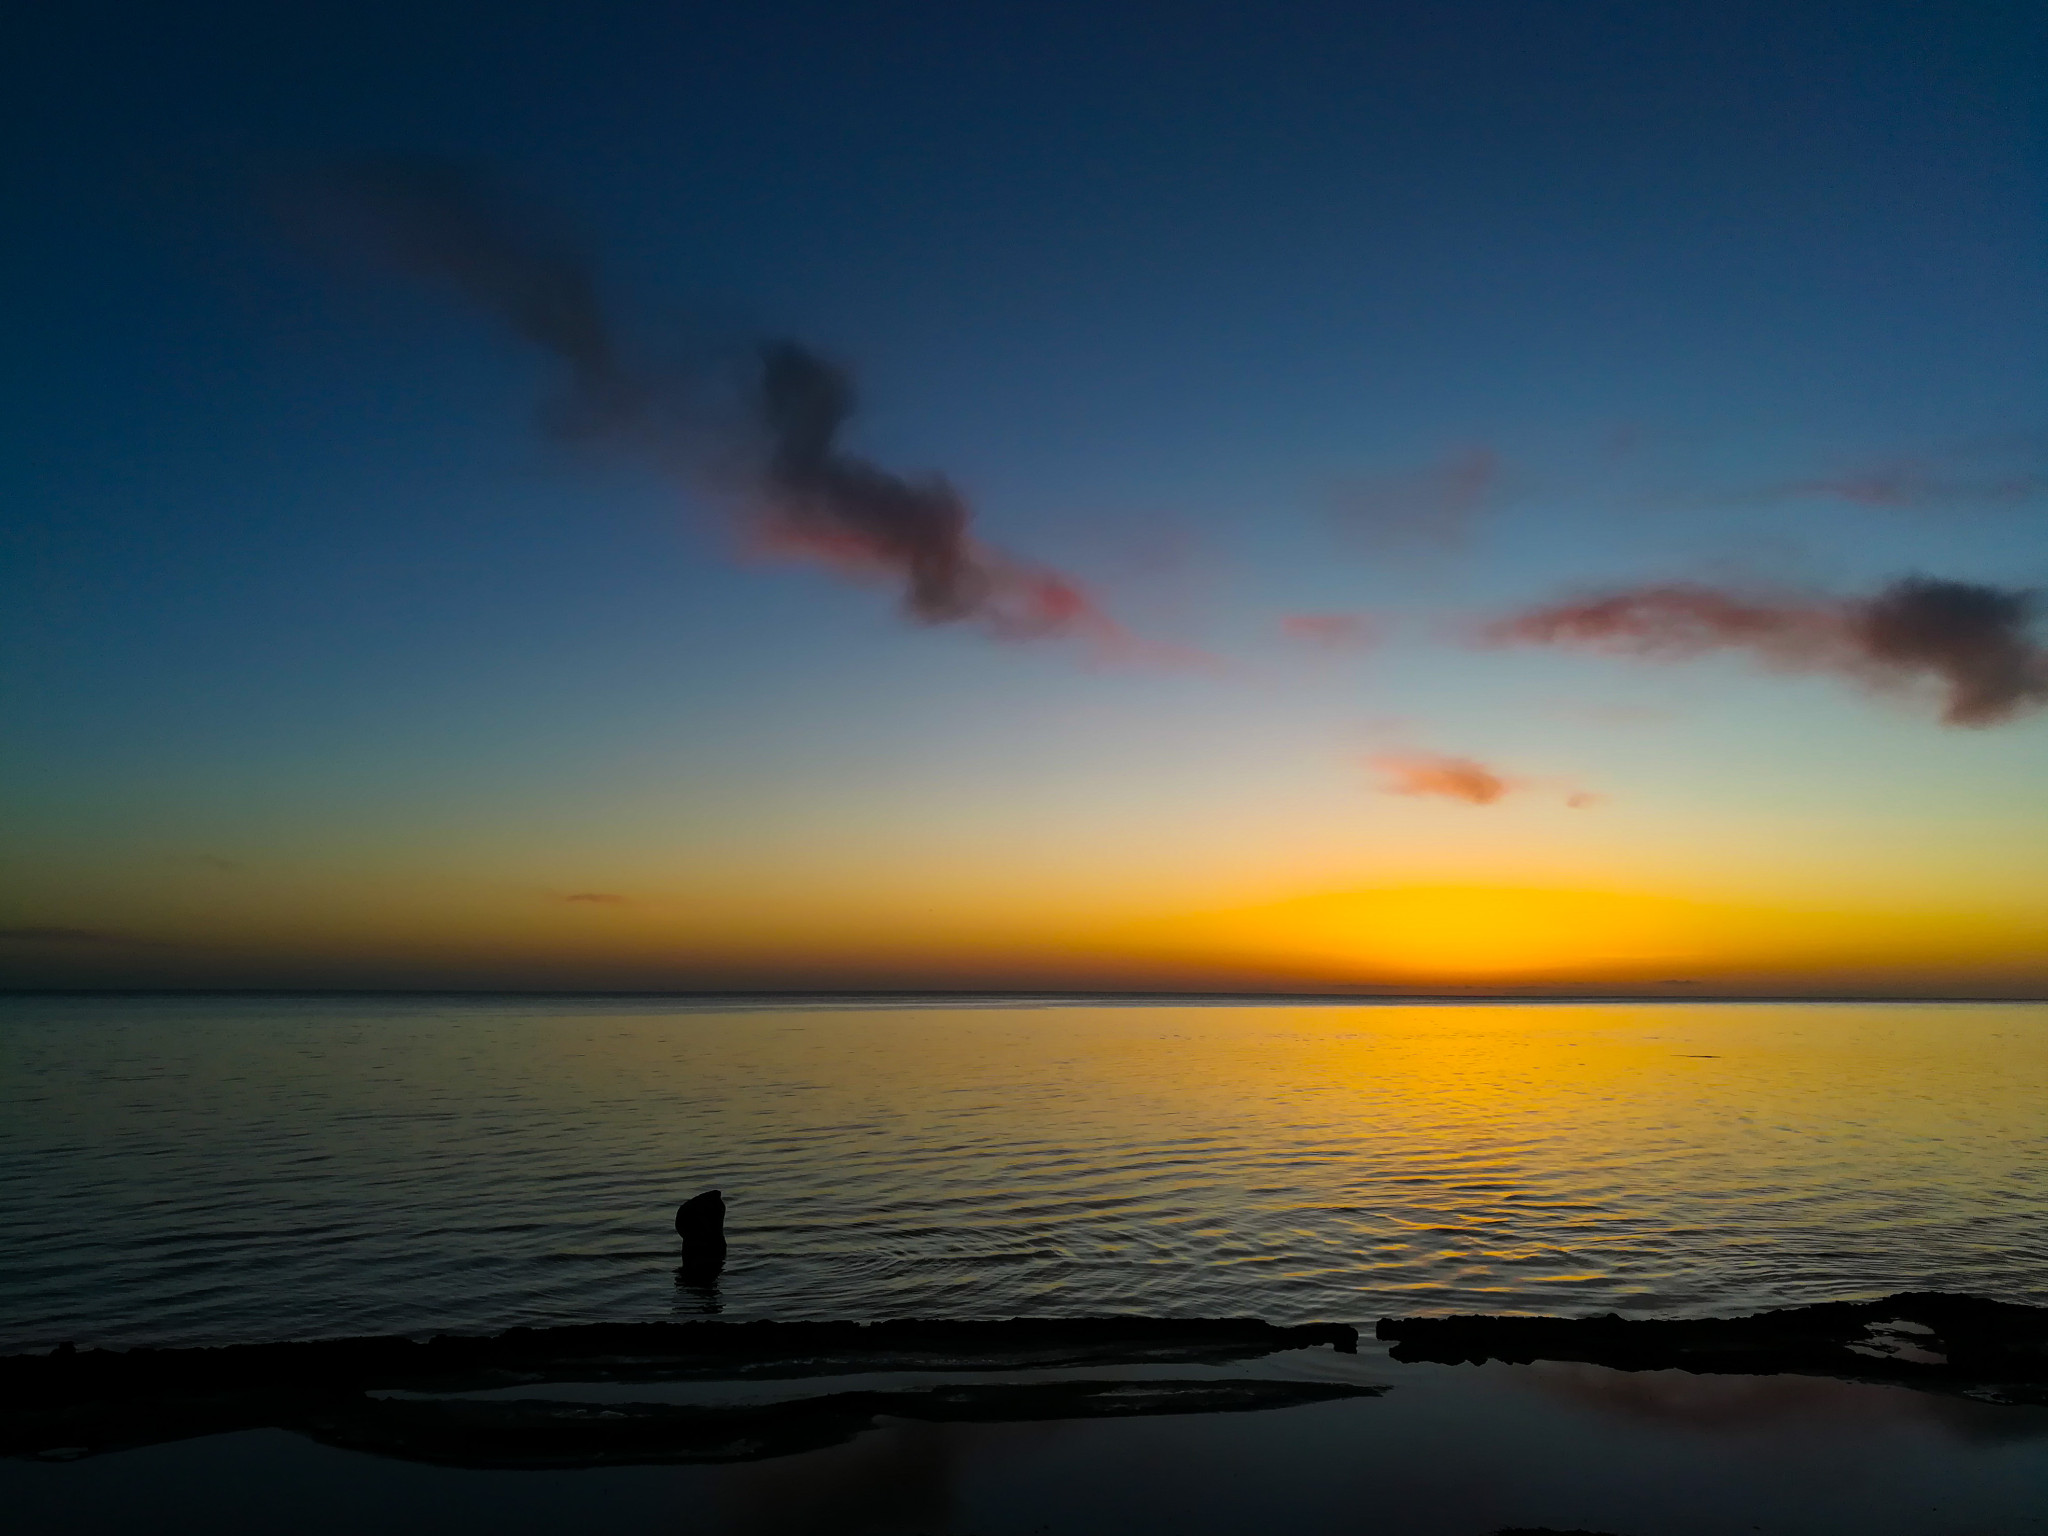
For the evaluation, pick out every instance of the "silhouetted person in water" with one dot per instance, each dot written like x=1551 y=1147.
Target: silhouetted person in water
x=700 y=1223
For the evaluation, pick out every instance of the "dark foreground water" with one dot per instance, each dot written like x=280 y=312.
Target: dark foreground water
x=208 y=1169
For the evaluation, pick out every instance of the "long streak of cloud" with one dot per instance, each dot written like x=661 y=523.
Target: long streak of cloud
x=800 y=491
x=1972 y=642
x=1909 y=485
x=2004 y=469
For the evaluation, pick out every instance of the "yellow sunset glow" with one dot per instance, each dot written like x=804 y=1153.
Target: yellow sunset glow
x=1501 y=935
x=1467 y=932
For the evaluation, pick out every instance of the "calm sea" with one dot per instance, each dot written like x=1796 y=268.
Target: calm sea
x=215 y=1169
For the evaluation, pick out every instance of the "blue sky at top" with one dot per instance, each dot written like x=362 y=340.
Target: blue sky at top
x=287 y=553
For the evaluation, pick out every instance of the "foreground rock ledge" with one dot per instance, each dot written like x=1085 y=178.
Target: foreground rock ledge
x=1996 y=1350
x=73 y=1403
x=660 y=1351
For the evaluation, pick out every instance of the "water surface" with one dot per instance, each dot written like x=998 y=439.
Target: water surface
x=213 y=1169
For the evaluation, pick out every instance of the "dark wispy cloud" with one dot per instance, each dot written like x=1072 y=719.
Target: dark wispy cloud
x=1973 y=644
x=815 y=498
x=449 y=226
x=595 y=898
x=787 y=471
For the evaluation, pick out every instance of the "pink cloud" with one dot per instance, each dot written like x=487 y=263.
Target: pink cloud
x=1442 y=775
x=1447 y=776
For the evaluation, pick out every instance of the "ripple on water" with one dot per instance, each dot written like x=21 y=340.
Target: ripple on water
x=187 y=1169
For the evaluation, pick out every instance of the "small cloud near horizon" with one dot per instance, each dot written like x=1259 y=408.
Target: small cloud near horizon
x=1440 y=774
x=1447 y=776
x=596 y=898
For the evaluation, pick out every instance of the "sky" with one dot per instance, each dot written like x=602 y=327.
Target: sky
x=1415 y=497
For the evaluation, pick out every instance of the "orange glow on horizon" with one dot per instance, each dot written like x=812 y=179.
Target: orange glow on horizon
x=1466 y=933
x=1480 y=935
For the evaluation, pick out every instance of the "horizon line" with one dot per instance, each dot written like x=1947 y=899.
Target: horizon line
x=1006 y=994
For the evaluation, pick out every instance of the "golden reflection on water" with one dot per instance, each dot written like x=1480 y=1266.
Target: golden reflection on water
x=211 y=1168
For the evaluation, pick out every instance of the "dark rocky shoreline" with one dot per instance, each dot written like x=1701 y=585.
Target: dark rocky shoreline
x=1996 y=1350
x=531 y=1434
x=71 y=1402
x=658 y=1351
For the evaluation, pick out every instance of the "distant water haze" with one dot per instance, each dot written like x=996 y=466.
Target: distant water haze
x=211 y=1169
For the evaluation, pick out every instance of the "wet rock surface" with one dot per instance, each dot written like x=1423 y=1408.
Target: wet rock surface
x=80 y=1402
x=545 y=1434
x=1991 y=1349
x=536 y=1433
